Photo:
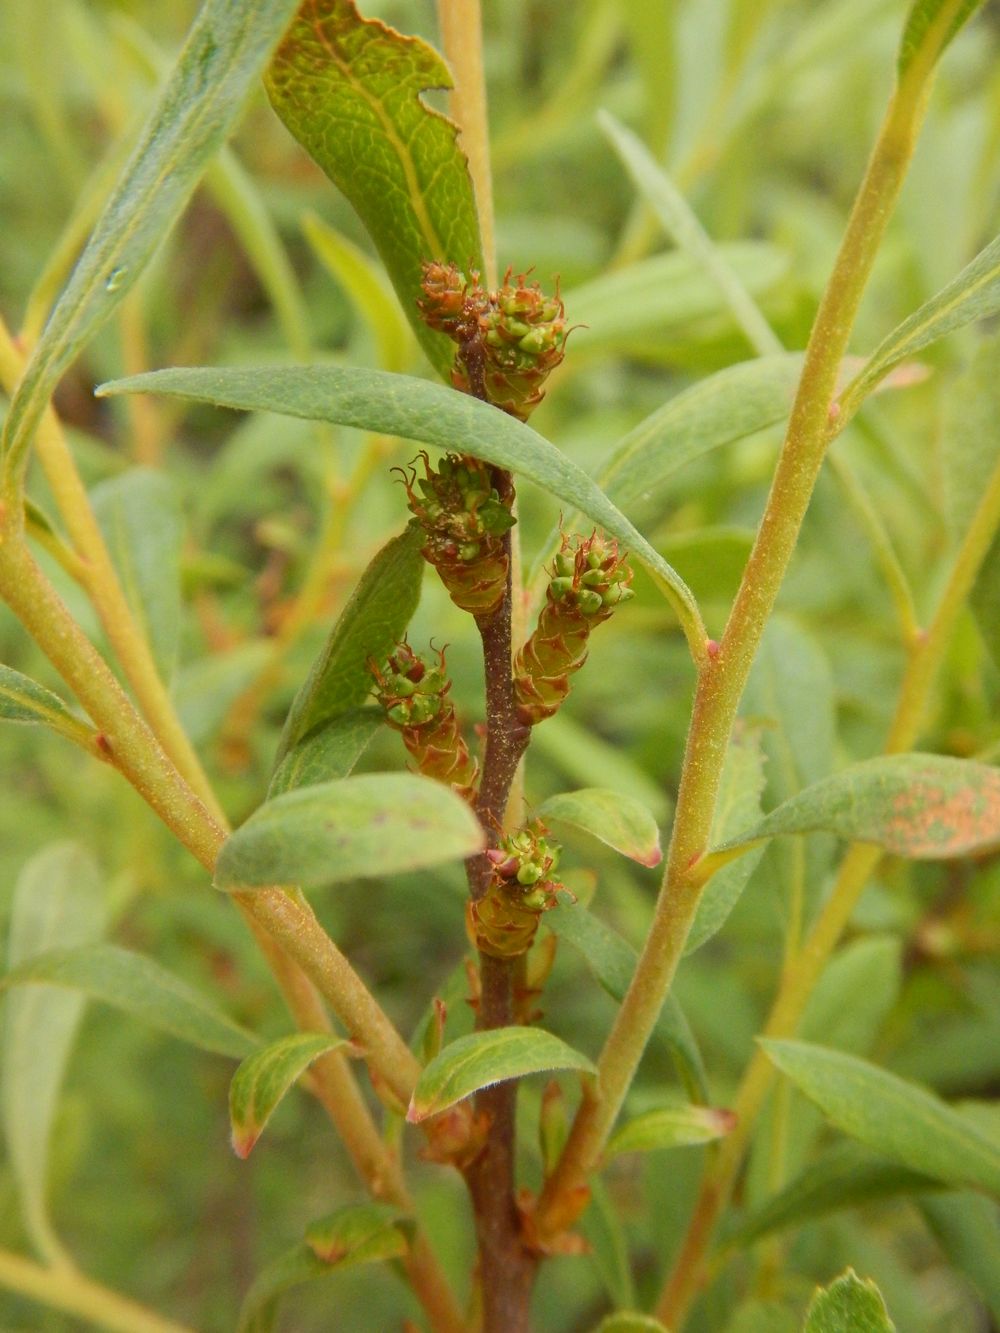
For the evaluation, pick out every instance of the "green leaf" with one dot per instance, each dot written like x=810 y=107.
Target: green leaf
x=845 y=1176
x=922 y=806
x=718 y=410
x=431 y=413
x=970 y=453
x=140 y=516
x=24 y=700
x=370 y=625
x=330 y=751
x=680 y=223
x=848 y=1305
x=358 y=1233
x=923 y=13
x=225 y=50
x=365 y=285
x=890 y=1115
x=965 y=1226
x=263 y=1079
x=58 y=899
x=630 y=1321
x=970 y=436
x=484 y=1058
x=142 y=988
x=350 y=90
x=604 y=1230
x=625 y=309
x=791 y=691
x=679 y=1125
x=985 y=600
x=974 y=294
x=301 y=1265
x=738 y=801
x=620 y=821
x=364 y=826
x=612 y=961
x=855 y=994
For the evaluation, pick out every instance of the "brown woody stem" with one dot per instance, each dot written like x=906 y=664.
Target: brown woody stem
x=506 y=1267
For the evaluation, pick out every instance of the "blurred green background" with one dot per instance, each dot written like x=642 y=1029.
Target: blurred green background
x=764 y=113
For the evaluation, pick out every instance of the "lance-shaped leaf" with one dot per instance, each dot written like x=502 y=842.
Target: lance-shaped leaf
x=363 y=826
x=58 y=898
x=718 y=410
x=484 y=1058
x=302 y=1264
x=140 y=987
x=350 y=90
x=612 y=961
x=620 y=821
x=739 y=801
x=433 y=414
x=848 y=1305
x=24 y=700
x=370 y=625
x=330 y=751
x=359 y=1233
x=965 y=1226
x=139 y=513
x=974 y=294
x=924 y=15
x=923 y=806
x=363 y=280
x=263 y=1079
x=679 y=1125
x=845 y=1176
x=681 y=224
x=900 y=1119
x=228 y=45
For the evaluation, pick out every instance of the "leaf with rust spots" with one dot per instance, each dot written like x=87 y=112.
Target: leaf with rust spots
x=921 y=806
x=350 y=90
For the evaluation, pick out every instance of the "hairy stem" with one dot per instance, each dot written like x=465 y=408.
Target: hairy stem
x=722 y=676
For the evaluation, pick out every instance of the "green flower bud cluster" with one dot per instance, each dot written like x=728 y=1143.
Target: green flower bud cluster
x=509 y=341
x=504 y=921
x=589 y=580
x=414 y=696
x=465 y=520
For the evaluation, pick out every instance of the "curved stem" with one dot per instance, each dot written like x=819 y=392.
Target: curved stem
x=80 y=1296
x=98 y=577
x=855 y=871
x=722 y=676
x=131 y=746
x=333 y=1083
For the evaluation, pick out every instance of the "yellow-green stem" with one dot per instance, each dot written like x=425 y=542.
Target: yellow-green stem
x=723 y=674
x=81 y=1297
x=802 y=973
x=132 y=747
x=335 y=1087
x=104 y=589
